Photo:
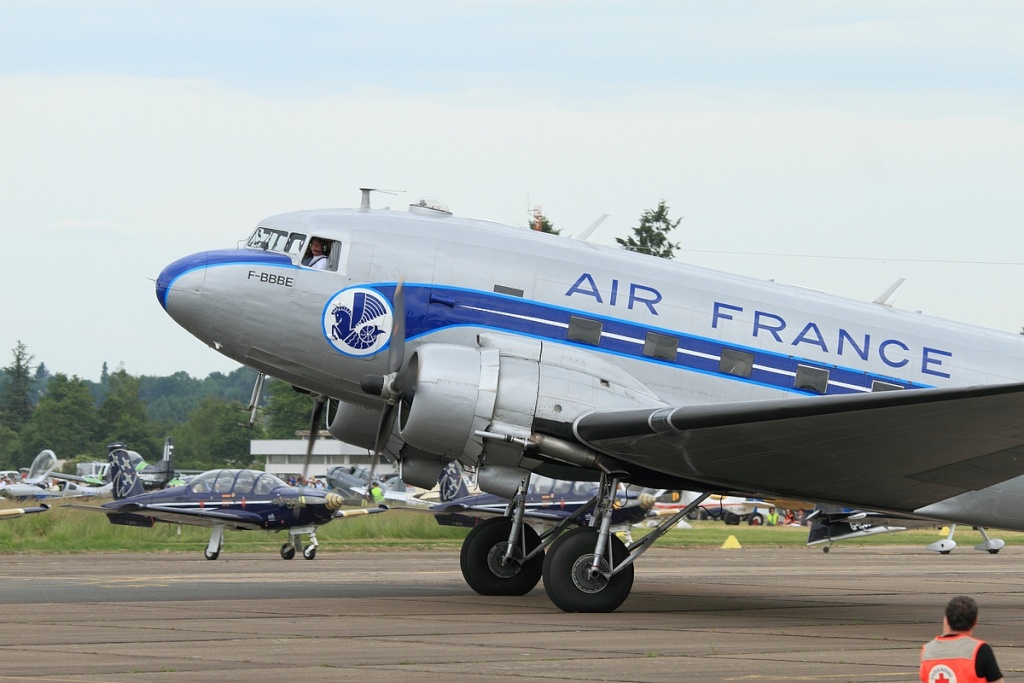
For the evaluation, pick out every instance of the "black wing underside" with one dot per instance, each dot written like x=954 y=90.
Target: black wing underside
x=887 y=451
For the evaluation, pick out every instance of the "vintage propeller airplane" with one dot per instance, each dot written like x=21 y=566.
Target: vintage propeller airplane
x=224 y=499
x=436 y=338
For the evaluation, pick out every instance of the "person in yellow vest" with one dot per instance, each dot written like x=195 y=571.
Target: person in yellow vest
x=772 y=518
x=956 y=656
x=378 y=494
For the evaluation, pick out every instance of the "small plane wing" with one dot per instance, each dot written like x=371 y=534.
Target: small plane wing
x=12 y=513
x=238 y=519
x=355 y=512
x=830 y=525
x=894 y=450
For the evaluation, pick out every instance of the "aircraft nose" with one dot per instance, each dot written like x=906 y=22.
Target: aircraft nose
x=333 y=501
x=179 y=288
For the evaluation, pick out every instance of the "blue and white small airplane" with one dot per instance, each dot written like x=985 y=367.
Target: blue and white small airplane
x=36 y=486
x=436 y=338
x=224 y=499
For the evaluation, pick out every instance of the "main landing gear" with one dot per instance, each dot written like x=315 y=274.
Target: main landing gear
x=295 y=541
x=946 y=545
x=585 y=569
x=212 y=551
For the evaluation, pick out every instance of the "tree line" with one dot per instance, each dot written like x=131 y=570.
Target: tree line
x=76 y=418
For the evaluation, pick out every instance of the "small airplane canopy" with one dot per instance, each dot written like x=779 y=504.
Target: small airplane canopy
x=240 y=482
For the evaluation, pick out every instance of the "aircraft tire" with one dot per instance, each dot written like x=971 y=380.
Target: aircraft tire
x=731 y=518
x=309 y=553
x=211 y=556
x=287 y=551
x=480 y=555
x=565 y=574
x=755 y=519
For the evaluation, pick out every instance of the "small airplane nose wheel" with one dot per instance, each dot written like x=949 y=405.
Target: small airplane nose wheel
x=287 y=551
x=211 y=555
x=309 y=553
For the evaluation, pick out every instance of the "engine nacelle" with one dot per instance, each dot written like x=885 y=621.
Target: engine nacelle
x=355 y=424
x=506 y=386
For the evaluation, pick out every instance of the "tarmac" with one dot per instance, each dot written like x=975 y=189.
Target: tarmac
x=794 y=614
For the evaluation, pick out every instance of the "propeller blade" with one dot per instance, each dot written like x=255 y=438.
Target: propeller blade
x=396 y=352
x=381 y=386
x=314 y=432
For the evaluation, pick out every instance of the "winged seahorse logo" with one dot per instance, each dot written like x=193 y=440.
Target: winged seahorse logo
x=357 y=321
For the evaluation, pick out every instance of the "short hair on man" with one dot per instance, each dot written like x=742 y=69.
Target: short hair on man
x=962 y=613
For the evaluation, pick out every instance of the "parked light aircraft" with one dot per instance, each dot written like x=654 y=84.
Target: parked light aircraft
x=220 y=499
x=36 y=485
x=438 y=338
x=830 y=524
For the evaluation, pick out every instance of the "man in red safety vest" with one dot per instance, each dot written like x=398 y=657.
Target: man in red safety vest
x=955 y=656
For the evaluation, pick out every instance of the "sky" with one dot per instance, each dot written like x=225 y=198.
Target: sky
x=838 y=146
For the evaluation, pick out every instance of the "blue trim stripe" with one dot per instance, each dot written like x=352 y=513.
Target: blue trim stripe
x=209 y=259
x=430 y=309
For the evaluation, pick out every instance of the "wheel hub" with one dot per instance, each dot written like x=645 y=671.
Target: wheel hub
x=499 y=566
x=584 y=576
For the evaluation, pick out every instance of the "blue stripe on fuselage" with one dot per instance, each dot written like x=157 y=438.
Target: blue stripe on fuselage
x=209 y=259
x=432 y=308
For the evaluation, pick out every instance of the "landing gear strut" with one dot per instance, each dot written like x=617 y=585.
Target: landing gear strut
x=589 y=569
x=946 y=545
x=503 y=555
x=212 y=551
x=295 y=541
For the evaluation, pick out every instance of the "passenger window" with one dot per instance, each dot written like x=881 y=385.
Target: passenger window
x=661 y=346
x=877 y=385
x=738 y=363
x=811 y=379
x=584 y=330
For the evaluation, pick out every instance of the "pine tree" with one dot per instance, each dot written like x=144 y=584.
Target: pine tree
x=651 y=236
x=16 y=410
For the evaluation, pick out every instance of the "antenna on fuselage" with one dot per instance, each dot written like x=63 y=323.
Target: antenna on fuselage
x=888 y=297
x=364 y=202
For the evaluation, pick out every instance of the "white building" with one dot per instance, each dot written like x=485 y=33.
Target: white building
x=286 y=457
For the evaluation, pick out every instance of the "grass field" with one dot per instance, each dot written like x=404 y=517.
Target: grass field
x=64 y=530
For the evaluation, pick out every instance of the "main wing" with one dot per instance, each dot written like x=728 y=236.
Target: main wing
x=884 y=451
x=236 y=519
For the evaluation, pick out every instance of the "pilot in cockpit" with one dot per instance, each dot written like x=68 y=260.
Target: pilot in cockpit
x=316 y=254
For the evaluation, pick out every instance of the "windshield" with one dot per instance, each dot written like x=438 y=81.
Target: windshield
x=276 y=240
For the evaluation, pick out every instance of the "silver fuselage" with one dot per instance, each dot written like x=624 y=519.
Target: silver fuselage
x=688 y=335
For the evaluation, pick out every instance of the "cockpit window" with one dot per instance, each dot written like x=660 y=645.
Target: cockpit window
x=277 y=240
x=321 y=254
x=225 y=481
x=244 y=482
x=204 y=482
x=267 y=483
